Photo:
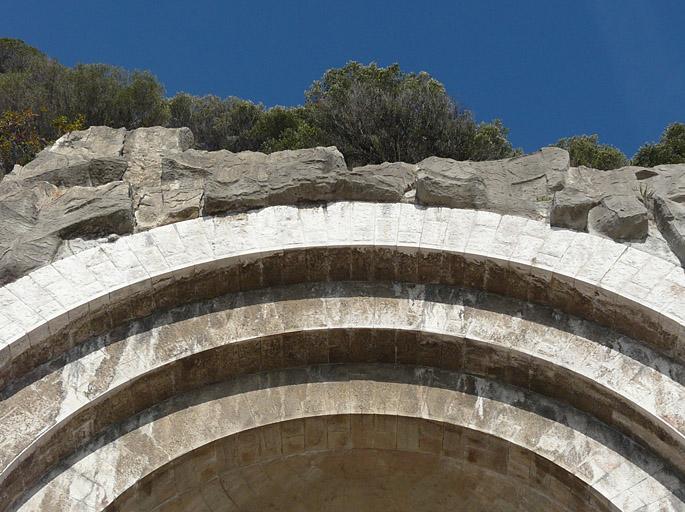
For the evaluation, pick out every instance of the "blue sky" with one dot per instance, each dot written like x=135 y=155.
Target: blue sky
x=547 y=68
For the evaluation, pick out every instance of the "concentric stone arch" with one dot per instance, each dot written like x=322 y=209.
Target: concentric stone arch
x=576 y=272
x=606 y=335
x=573 y=442
x=368 y=462
x=445 y=327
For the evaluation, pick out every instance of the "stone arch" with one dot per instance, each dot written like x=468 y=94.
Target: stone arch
x=582 y=274
x=615 y=474
x=67 y=323
x=359 y=462
x=444 y=327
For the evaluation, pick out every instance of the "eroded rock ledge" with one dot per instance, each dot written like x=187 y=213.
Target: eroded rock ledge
x=96 y=184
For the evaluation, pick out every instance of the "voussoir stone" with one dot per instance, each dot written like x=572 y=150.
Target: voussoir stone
x=519 y=186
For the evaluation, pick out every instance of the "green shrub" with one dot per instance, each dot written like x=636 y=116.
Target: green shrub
x=374 y=114
x=669 y=150
x=19 y=138
x=216 y=123
x=586 y=150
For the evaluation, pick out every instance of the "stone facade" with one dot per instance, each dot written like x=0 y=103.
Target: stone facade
x=280 y=332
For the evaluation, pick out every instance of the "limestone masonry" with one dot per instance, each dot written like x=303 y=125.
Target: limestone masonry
x=184 y=330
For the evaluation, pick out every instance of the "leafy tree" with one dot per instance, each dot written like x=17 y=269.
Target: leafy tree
x=304 y=135
x=489 y=141
x=94 y=90
x=239 y=125
x=586 y=150
x=64 y=125
x=236 y=122
x=282 y=128
x=31 y=81
x=216 y=123
x=181 y=109
x=669 y=150
x=376 y=114
x=271 y=124
x=109 y=95
x=371 y=113
x=19 y=138
x=17 y=56
x=141 y=101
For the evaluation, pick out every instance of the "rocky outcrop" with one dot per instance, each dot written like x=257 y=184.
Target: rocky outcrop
x=101 y=155
x=104 y=181
x=144 y=150
x=519 y=186
x=36 y=218
x=603 y=202
x=663 y=191
x=87 y=158
x=221 y=181
x=620 y=217
x=670 y=218
x=253 y=180
x=570 y=208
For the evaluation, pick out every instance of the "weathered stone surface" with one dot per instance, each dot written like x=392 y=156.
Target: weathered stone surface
x=251 y=180
x=83 y=211
x=576 y=448
x=450 y=183
x=599 y=184
x=169 y=182
x=667 y=181
x=670 y=218
x=25 y=253
x=384 y=182
x=144 y=150
x=570 y=208
x=90 y=157
x=37 y=217
x=519 y=186
x=346 y=309
x=603 y=202
x=662 y=188
x=23 y=247
x=239 y=181
x=370 y=457
x=619 y=218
